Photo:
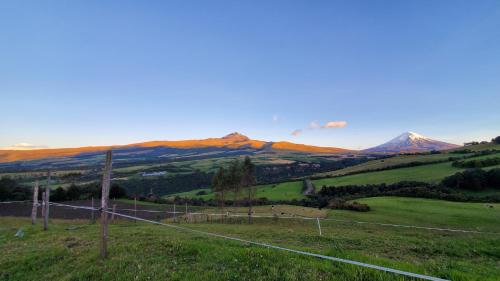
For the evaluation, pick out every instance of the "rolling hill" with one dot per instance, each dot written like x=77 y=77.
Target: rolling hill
x=229 y=145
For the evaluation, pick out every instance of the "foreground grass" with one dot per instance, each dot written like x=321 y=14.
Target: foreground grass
x=140 y=251
x=69 y=251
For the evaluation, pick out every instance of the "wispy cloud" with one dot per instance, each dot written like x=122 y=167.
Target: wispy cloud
x=334 y=124
x=313 y=125
x=23 y=146
x=297 y=132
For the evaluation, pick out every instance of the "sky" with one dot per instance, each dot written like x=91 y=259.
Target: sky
x=349 y=74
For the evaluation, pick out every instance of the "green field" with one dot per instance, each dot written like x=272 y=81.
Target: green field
x=429 y=212
x=426 y=173
x=140 y=251
x=280 y=191
x=389 y=162
x=431 y=173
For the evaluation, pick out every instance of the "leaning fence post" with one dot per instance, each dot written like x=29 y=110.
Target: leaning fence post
x=319 y=226
x=47 y=200
x=35 y=203
x=106 y=178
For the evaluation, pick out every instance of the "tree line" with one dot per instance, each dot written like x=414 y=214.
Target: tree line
x=474 y=180
x=450 y=188
x=477 y=163
x=10 y=189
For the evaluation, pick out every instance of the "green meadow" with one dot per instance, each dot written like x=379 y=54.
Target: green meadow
x=141 y=251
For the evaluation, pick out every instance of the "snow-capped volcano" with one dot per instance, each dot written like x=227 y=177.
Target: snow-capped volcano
x=411 y=142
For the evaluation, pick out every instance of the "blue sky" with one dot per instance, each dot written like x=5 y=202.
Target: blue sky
x=75 y=73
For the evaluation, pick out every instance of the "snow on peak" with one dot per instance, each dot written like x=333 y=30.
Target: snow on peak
x=412 y=136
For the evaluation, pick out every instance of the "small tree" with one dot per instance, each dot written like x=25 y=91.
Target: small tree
x=496 y=140
x=73 y=192
x=233 y=179
x=58 y=195
x=219 y=186
x=248 y=182
x=117 y=191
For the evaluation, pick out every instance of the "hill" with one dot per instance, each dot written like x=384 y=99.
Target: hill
x=421 y=167
x=232 y=144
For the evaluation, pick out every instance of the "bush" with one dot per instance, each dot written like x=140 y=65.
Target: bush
x=496 y=140
x=117 y=191
x=354 y=206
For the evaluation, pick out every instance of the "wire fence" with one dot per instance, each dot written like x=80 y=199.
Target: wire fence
x=260 y=244
x=169 y=216
x=196 y=214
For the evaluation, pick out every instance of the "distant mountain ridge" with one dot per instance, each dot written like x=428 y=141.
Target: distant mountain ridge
x=233 y=142
x=411 y=142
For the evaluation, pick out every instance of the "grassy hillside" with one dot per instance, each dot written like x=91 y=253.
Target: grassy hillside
x=280 y=191
x=139 y=251
x=426 y=173
x=431 y=173
x=389 y=162
x=418 y=211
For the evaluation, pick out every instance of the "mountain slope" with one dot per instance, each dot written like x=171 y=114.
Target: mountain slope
x=411 y=142
x=233 y=143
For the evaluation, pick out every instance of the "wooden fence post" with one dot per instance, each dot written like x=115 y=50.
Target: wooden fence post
x=43 y=204
x=106 y=178
x=175 y=218
x=35 y=203
x=92 y=213
x=114 y=211
x=135 y=208
x=47 y=200
x=319 y=227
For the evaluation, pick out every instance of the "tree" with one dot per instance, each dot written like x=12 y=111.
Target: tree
x=219 y=185
x=73 y=192
x=496 y=140
x=233 y=179
x=117 y=191
x=7 y=186
x=248 y=182
x=58 y=195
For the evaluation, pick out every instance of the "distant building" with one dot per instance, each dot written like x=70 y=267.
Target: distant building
x=151 y=195
x=153 y=174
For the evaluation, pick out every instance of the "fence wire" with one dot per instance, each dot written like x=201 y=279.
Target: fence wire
x=265 y=245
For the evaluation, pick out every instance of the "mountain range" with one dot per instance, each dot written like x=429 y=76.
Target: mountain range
x=231 y=144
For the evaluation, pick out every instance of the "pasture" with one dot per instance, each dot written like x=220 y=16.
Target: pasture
x=141 y=251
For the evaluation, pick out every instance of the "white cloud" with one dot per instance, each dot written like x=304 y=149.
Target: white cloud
x=313 y=125
x=297 y=132
x=334 y=124
x=23 y=146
